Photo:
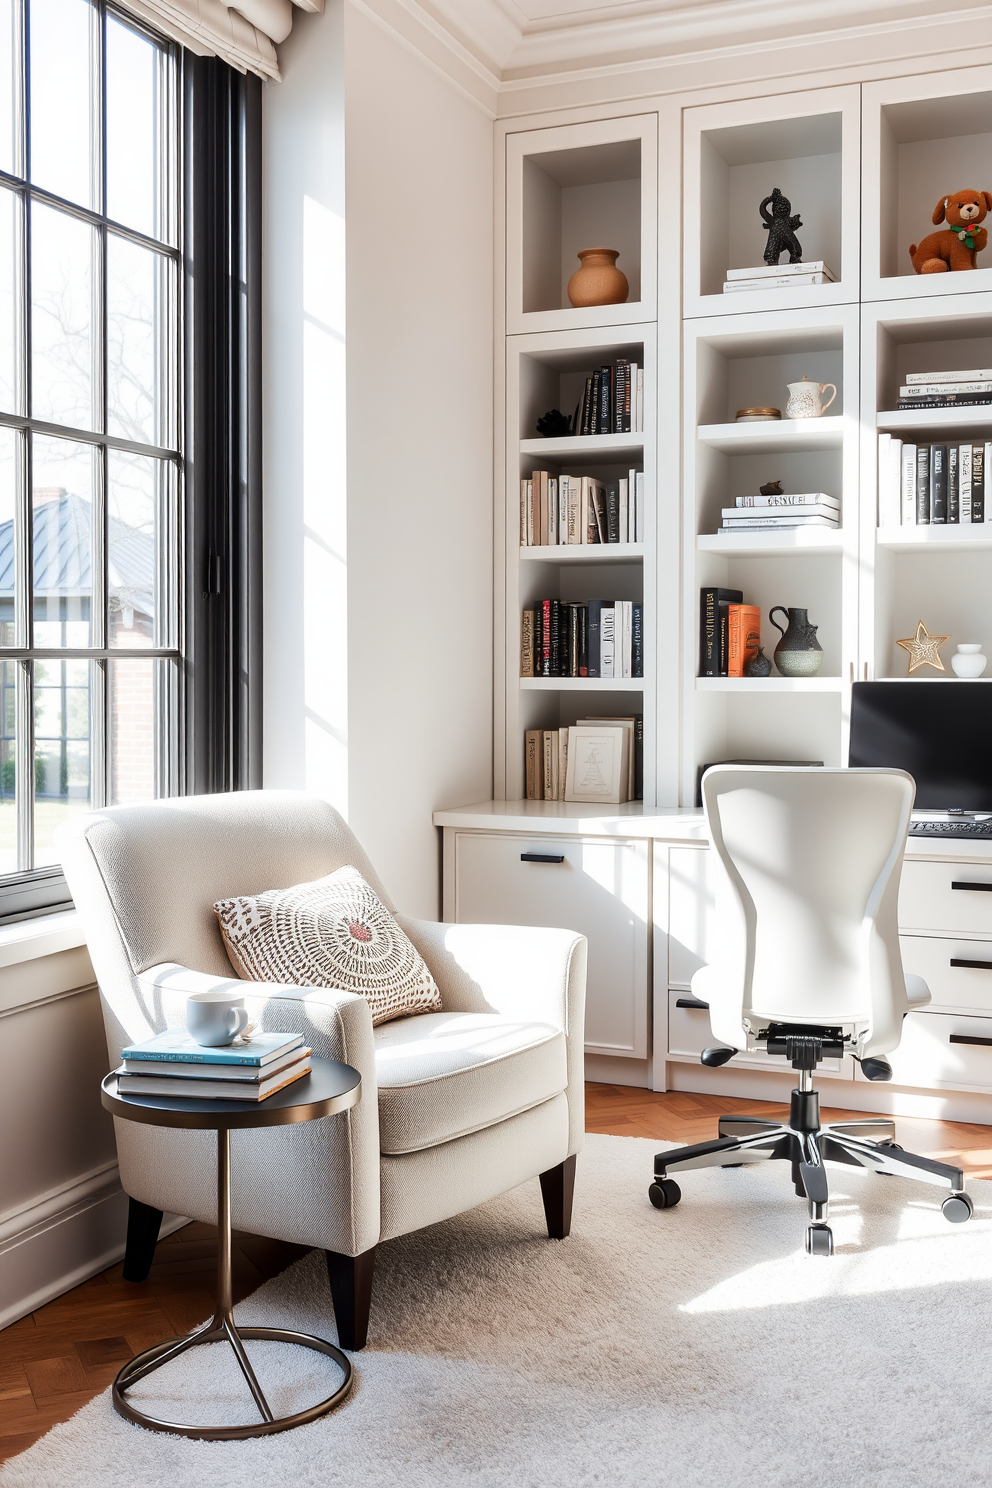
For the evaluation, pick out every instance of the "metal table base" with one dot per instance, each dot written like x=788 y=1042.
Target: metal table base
x=222 y=1326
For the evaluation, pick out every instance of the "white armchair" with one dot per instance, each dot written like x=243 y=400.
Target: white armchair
x=456 y=1106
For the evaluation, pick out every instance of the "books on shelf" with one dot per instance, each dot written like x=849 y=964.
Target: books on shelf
x=546 y=755
x=932 y=484
x=612 y=400
x=969 y=389
x=172 y=1063
x=778 y=276
x=729 y=632
x=587 y=638
x=780 y=513
x=558 y=510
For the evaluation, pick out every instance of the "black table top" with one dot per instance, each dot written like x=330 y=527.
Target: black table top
x=329 y=1087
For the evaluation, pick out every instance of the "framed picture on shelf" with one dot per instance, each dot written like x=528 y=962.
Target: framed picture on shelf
x=597 y=766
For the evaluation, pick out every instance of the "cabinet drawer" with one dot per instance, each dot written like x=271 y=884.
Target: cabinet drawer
x=964 y=988
x=595 y=886
x=929 y=1053
x=946 y=896
x=691 y=913
x=689 y=1033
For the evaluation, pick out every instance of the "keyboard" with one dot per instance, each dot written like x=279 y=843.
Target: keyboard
x=977 y=829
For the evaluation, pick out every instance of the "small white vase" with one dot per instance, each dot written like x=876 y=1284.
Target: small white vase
x=968 y=660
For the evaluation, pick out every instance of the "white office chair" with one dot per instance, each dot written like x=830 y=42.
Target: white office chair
x=807 y=865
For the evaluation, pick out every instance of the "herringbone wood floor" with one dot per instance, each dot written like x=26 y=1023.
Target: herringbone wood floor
x=56 y=1359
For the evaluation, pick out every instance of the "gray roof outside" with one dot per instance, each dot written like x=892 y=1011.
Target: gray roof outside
x=62 y=552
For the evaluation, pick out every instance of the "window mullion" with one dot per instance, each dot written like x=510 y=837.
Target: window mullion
x=99 y=734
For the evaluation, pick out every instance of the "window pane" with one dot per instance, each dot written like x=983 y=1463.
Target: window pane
x=135 y=727
x=136 y=157
x=62 y=527
x=10 y=258
x=8 y=766
x=139 y=547
x=138 y=363
x=63 y=344
x=9 y=61
x=63 y=723
x=63 y=141
x=8 y=554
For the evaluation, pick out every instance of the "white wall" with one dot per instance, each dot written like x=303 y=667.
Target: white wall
x=378 y=583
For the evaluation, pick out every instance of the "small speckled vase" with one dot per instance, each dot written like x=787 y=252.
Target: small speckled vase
x=798 y=653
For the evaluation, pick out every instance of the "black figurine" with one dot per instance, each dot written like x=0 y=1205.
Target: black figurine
x=781 y=229
x=554 y=424
x=772 y=488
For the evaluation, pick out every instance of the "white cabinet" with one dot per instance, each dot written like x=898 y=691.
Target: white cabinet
x=691 y=913
x=944 y=1051
x=599 y=887
x=955 y=897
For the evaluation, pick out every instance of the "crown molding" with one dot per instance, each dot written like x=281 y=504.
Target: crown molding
x=492 y=50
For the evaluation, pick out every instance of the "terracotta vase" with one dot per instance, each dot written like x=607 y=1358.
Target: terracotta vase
x=599 y=281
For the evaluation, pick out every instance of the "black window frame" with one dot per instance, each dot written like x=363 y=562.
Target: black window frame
x=217 y=707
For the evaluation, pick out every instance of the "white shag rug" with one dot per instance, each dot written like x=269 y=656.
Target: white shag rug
x=697 y=1347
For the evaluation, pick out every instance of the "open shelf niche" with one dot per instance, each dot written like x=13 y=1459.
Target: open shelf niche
x=731 y=363
x=923 y=140
x=941 y=574
x=548 y=370
x=581 y=186
x=735 y=154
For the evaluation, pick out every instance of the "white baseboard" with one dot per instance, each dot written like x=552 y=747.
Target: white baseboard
x=851 y=1095
x=62 y=1239
x=607 y=1069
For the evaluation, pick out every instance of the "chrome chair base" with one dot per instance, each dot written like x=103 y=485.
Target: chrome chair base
x=220 y=1328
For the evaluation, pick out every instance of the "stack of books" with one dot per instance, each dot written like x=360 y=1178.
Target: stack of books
x=612 y=400
x=556 y=510
x=174 y=1064
x=588 y=638
x=779 y=513
x=778 y=276
x=932 y=484
x=546 y=758
x=729 y=632
x=946 y=389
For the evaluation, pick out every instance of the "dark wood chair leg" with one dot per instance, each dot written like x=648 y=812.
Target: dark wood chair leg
x=557 y=1188
x=142 y=1236
x=351 y=1292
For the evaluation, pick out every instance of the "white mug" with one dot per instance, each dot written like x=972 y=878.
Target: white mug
x=804 y=399
x=216 y=1018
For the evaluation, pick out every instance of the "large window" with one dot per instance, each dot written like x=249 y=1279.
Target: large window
x=91 y=526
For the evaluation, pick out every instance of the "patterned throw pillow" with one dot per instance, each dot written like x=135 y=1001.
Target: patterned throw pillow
x=334 y=932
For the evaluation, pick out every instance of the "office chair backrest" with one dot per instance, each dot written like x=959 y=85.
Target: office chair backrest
x=808 y=866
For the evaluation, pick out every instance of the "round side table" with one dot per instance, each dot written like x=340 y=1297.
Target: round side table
x=329 y=1088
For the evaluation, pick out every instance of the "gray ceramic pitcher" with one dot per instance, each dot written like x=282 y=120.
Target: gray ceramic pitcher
x=798 y=653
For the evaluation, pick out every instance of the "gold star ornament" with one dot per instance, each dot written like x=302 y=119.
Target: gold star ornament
x=924 y=649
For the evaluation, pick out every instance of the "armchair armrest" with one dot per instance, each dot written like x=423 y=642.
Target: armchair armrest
x=520 y=971
x=335 y=1024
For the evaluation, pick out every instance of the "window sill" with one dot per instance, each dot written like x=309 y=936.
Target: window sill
x=28 y=940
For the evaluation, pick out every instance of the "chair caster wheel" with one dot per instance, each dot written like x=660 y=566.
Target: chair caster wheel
x=819 y=1240
x=957 y=1208
x=664 y=1193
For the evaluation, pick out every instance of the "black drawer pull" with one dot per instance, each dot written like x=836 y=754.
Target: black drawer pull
x=542 y=858
x=966 y=1038
x=974 y=965
x=692 y=1002
x=983 y=888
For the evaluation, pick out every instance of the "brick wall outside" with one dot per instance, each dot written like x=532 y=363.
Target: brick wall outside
x=132 y=719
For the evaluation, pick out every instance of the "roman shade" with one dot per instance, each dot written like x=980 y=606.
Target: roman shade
x=245 y=36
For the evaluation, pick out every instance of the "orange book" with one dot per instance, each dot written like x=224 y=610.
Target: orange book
x=743 y=636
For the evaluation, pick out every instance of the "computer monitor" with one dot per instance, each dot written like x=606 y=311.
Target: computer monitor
x=940 y=732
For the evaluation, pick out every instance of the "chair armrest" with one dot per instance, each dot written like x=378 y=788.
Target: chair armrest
x=519 y=971
x=335 y=1024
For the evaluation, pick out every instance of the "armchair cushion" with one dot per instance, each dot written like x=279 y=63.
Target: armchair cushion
x=334 y=932
x=444 y=1075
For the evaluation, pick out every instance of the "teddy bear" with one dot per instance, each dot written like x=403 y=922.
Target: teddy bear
x=954 y=248
x=781 y=229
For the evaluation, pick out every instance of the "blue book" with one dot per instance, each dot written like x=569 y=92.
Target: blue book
x=176 y=1046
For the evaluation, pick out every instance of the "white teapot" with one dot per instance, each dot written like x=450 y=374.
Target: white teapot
x=804 y=399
